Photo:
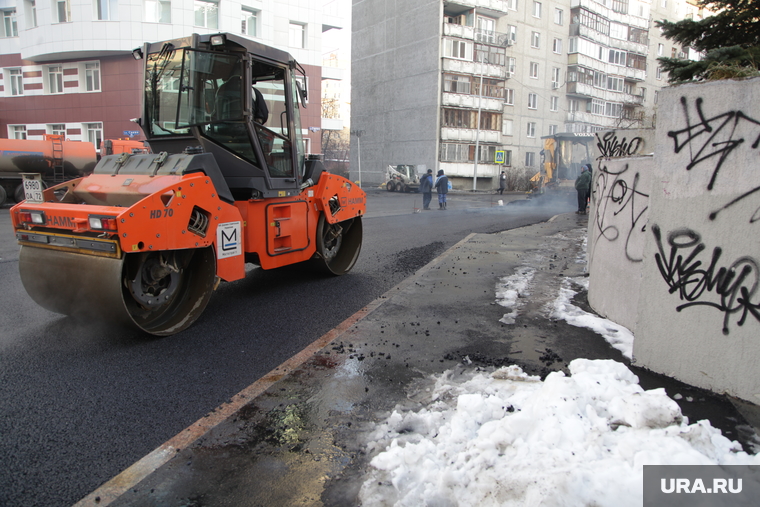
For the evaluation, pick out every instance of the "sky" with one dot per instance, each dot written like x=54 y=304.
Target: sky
x=487 y=438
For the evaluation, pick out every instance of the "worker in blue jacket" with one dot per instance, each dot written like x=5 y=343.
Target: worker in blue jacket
x=442 y=187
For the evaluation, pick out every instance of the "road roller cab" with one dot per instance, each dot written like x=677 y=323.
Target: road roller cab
x=145 y=238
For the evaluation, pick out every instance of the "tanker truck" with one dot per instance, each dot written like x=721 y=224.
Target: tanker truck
x=53 y=158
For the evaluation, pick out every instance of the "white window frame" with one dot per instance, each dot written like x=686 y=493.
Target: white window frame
x=54 y=81
x=512 y=32
x=93 y=133
x=297 y=35
x=530 y=130
x=30 y=7
x=14 y=81
x=206 y=14
x=91 y=76
x=511 y=64
x=512 y=5
x=507 y=126
x=459 y=49
x=158 y=11
x=56 y=129
x=16 y=131
x=533 y=73
x=557 y=46
x=659 y=73
x=509 y=96
x=250 y=22
x=532 y=101
x=559 y=16
x=552 y=130
x=554 y=103
x=660 y=49
x=530 y=159
x=105 y=10
x=62 y=11
x=535 y=40
x=537 y=9
x=10 y=23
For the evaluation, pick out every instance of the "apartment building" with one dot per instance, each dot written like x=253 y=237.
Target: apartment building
x=459 y=85
x=67 y=67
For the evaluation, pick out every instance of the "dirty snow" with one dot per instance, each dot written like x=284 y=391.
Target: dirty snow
x=510 y=289
x=509 y=439
x=561 y=308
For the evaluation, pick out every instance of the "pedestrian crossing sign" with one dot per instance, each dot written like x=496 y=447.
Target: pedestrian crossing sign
x=499 y=157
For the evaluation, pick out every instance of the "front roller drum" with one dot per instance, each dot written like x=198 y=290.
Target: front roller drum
x=339 y=244
x=161 y=293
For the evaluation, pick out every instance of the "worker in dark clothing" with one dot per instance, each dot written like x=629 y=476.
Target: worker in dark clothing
x=426 y=189
x=582 y=185
x=442 y=187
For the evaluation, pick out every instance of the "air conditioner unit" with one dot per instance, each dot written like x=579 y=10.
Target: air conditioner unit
x=682 y=56
x=508 y=74
x=555 y=86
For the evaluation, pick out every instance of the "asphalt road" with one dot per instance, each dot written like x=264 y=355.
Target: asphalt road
x=81 y=402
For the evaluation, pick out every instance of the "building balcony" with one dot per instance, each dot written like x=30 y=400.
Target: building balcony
x=492 y=8
x=593 y=119
x=629 y=73
x=592 y=92
x=468 y=135
x=478 y=35
x=467 y=169
x=472 y=102
x=628 y=19
x=475 y=68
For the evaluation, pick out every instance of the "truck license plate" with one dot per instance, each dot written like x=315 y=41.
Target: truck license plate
x=33 y=188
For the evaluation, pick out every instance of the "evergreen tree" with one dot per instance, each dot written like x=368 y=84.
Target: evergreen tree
x=730 y=41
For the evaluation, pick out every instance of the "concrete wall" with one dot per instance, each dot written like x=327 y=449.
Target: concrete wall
x=698 y=305
x=617 y=222
x=395 y=85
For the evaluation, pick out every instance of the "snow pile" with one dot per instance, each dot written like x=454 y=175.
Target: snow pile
x=510 y=289
x=561 y=308
x=508 y=439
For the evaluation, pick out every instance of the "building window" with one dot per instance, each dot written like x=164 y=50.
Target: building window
x=93 y=133
x=31 y=13
x=558 y=16
x=55 y=79
x=536 y=9
x=158 y=11
x=572 y=105
x=530 y=159
x=557 y=46
x=16 y=78
x=554 y=104
x=457 y=49
x=10 y=26
x=659 y=73
x=511 y=65
x=508 y=157
x=615 y=84
x=206 y=14
x=512 y=5
x=509 y=96
x=92 y=76
x=534 y=70
x=552 y=130
x=535 y=40
x=512 y=33
x=617 y=57
x=531 y=130
x=17 y=131
x=532 y=101
x=555 y=77
x=660 y=49
x=507 y=127
x=105 y=10
x=456 y=84
x=62 y=11
x=250 y=22
x=57 y=129
x=297 y=35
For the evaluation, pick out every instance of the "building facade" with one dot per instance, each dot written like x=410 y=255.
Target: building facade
x=67 y=67
x=458 y=85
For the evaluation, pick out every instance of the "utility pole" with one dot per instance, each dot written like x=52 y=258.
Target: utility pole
x=358 y=134
x=477 y=132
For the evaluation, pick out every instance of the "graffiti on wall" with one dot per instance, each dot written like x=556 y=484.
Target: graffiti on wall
x=708 y=142
x=619 y=204
x=701 y=278
x=733 y=287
